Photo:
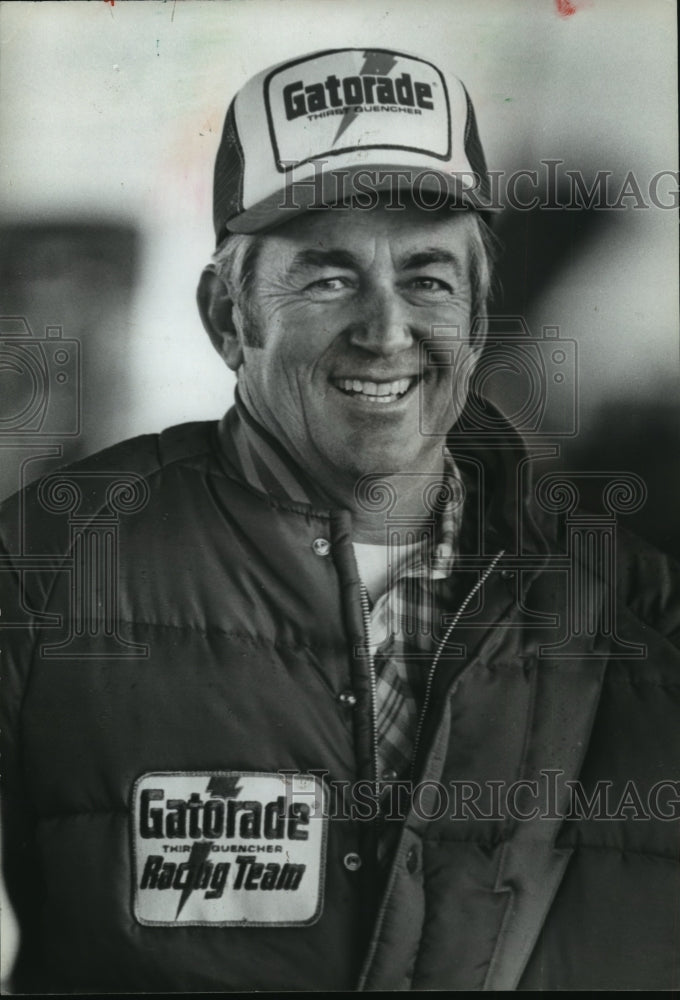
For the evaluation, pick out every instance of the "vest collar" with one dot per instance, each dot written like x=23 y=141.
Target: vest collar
x=495 y=469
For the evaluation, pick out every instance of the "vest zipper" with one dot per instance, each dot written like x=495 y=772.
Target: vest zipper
x=366 y=612
x=428 y=691
x=437 y=656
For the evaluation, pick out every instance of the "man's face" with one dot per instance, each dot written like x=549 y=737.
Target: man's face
x=341 y=300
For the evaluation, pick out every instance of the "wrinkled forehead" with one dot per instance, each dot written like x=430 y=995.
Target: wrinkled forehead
x=351 y=236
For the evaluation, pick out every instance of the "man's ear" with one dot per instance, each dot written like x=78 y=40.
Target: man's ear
x=220 y=317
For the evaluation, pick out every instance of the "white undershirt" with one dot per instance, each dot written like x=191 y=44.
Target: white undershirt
x=375 y=566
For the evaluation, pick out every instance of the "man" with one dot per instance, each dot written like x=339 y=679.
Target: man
x=311 y=699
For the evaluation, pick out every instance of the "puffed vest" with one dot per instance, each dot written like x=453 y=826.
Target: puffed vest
x=189 y=759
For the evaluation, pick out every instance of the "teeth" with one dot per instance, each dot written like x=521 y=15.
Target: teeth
x=376 y=392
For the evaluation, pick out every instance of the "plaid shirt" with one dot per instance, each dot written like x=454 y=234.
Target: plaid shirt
x=403 y=619
x=403 y=627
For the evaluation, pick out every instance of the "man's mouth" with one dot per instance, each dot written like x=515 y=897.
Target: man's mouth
x=375 y=392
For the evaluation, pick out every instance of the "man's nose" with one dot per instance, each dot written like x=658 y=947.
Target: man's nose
x=384 y=326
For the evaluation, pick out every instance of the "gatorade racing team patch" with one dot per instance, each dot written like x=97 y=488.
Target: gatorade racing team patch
x=228 y=848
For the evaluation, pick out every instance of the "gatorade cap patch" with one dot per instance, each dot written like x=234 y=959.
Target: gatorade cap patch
x=347 y=101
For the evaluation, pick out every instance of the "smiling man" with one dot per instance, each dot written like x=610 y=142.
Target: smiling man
x=320 y=697
x=328 y=345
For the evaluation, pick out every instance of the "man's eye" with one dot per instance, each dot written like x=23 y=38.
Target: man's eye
x=425 y=284
x=335 y=284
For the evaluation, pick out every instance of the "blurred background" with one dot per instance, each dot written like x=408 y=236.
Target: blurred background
x=110 y=118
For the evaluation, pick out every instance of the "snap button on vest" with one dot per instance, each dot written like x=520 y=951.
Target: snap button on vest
x=321 y=546
x=347 y=698
x=412 y=860
x=352 y=862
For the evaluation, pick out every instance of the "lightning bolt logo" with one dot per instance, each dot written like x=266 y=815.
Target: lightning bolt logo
x=224 y=786
x=375 y=64
x=199 y=854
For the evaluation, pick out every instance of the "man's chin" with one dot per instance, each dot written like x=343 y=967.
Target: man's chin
x=376 y=461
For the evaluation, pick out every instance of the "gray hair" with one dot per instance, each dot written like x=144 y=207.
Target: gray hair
x=236 y=262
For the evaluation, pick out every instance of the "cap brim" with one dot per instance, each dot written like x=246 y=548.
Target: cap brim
x=361 y=188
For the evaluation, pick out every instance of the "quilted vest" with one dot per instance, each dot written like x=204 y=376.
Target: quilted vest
x=181 y=650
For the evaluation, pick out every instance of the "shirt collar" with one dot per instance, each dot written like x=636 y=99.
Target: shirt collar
x=268 y=468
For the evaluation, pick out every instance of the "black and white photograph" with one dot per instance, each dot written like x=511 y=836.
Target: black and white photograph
x=339 y=479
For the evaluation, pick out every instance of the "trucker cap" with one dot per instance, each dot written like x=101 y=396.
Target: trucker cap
x=336 y=126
